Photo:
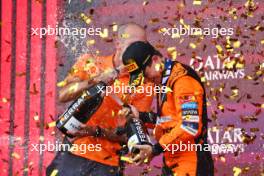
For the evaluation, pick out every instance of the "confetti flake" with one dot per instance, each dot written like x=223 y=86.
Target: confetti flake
x=62 y=83
x=41 y=138
x=73 y=88
x=54 y=172
x=52 y=124
x=104 y=34
x=203 y=79
x=90 y=42
x=36 y=117
x=237 y=171
x=236 y=44
x=145 y=3
x=125 y=35
x=221 y=107
x=15 y=155
x=168 y=89
x=197 y=2
x=85 y=18
x=219 y=49
x=126 y=159
x=192 y=45
x=172 y=52
x=5 y=100
x=183 y=23
x=115 y=27
x=222 y=158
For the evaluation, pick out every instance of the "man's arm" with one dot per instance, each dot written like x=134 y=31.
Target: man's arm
x=109 y=134
x=72 y=89
x=188 y=103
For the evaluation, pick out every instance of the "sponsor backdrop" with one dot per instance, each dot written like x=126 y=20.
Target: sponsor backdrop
x=222 y=40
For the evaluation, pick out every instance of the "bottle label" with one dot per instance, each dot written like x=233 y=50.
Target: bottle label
x=133 y=140
x=73 y=124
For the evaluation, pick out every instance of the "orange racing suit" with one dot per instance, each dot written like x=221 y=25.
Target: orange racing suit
x=106 y=116
x=182 y=121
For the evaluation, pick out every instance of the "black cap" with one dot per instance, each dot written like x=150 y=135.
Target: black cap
x=136 y=57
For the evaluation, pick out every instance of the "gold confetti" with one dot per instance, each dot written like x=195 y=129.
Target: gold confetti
x=197 y=2
x=41 y=138
x=237 y=171
x=126 y=159
x=222 y=158
x=5 y=100
x=15 y=155
x=90 y=42
x=36 y=117
x=162 y=30
x=250 y=7
x=233 y=12
x=125 y=35
x=248 y=77
x=113 y=113
x=104 y=34
x=168 y=89
x=172 y=52
x=115 y=27
x=62 y=83
x=85 y=18
x=192 y=45
x=73 y=87
x=236 y=44
x=219 y=49
x=221 y=107
x=158 y=67
x=185 y=25
x=262 y=41
x=52 y=124
x=54 y=172
x=203 y=79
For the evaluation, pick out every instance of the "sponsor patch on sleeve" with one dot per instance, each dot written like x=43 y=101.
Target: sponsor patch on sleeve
x=190 y=115
x=189 y=105
x=187 y=98
x=190 y=118
x=190 y=127
x=189 y=112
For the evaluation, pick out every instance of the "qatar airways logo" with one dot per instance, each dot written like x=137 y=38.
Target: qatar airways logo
x=215 y=68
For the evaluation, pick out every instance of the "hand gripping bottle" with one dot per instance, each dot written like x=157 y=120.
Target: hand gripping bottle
x=137 y=134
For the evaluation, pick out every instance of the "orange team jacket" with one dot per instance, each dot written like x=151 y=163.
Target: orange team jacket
x=180 y=121
x=106 y=116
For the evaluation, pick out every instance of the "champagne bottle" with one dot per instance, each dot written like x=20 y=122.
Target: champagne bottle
x=80 y=111
x=137 y=134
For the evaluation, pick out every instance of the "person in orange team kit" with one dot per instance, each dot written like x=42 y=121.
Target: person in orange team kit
x=182 y=115
x=100 y=129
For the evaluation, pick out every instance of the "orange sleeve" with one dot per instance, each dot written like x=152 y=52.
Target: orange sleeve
x=188 y=100
x=84 y=68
